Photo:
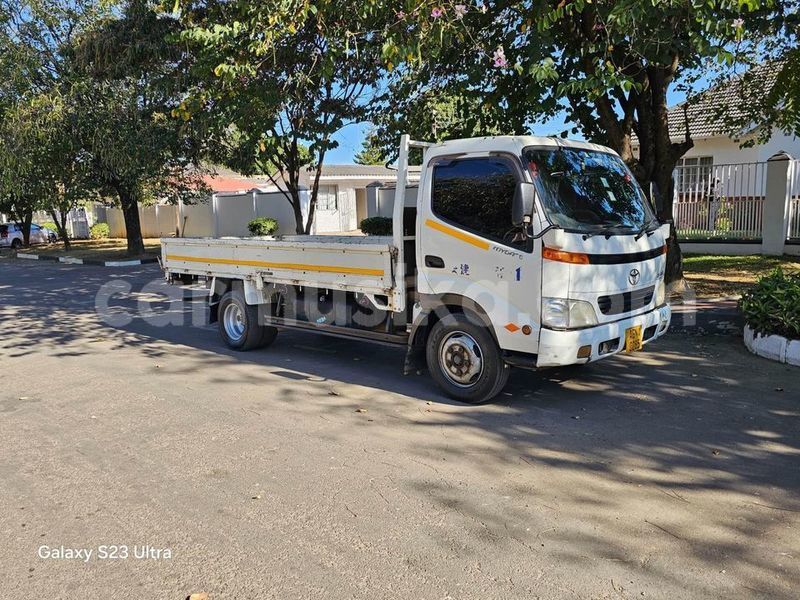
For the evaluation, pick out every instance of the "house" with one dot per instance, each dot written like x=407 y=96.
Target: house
x=343 y=199
x=710 y=114
x=723 y=200
x=347 y=195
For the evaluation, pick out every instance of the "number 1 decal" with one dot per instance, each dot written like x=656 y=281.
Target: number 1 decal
x=519 y=273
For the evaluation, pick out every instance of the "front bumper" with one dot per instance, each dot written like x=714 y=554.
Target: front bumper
x=557 y=348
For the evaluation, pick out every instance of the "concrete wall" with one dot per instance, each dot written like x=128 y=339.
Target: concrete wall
x=222 y=215
x=380 y=201
x=275 y=205
x=197 y=220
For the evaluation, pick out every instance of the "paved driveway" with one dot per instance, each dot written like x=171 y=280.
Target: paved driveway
x=672 y=473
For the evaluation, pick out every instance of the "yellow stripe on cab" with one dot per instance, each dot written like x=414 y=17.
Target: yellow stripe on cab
x=459 y=235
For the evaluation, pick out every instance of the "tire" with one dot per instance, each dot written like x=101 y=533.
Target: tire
x=464 y=360
x=16 y=244
x=238 y=324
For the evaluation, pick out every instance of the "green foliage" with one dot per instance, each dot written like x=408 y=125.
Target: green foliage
x=377 y=226
x=99 y=231
x=51 y=226
x=773 y=305
x=370 y=153
x=262 y=226
x=272 y=82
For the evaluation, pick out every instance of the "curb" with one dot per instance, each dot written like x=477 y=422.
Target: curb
x=773 y=347
x=68 y=260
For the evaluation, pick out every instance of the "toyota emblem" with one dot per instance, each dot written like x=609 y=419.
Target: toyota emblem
x=633 y=276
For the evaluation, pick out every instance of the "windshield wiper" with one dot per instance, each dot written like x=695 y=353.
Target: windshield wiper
x=644 y=229
x=604 y=230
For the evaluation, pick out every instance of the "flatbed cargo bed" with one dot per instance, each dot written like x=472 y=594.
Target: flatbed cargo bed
x=350 y=263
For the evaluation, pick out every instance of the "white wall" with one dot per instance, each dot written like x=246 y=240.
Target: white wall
x=727 y=151
x=345 y=217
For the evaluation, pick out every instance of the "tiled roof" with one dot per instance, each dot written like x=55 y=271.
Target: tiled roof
x=223 y=180
x=360 y=171
x=711 y=112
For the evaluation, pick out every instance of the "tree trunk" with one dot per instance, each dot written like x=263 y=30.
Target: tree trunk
x=297 y=207
x=665 y=157
x=27 y=219
x=61 y=225
x=133 y=226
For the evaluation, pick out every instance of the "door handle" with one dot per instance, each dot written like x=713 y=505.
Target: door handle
x=434 y=262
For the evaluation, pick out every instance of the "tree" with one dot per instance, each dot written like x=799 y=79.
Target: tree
x=274 y=81
x=370 y=153
x=35 y=36
x=128 y=86
x=42 y=166
x=608 y=65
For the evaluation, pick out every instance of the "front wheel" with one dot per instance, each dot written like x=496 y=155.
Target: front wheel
x=464 y=360
x=238 y=324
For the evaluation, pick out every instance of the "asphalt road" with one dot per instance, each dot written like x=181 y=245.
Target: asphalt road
x=671 y=473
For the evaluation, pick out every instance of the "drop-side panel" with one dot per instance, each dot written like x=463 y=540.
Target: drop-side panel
x=352 y=265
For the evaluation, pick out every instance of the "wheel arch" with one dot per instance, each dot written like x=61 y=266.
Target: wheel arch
x=435 y=307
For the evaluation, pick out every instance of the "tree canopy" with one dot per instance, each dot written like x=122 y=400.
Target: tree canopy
x=272 y=83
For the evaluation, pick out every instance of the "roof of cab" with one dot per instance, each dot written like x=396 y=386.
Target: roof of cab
x=510 y=143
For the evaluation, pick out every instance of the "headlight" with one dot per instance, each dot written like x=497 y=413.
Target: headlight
x=661 y=293
x=562 y=313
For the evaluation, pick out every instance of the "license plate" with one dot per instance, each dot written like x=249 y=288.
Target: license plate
x=633 y=339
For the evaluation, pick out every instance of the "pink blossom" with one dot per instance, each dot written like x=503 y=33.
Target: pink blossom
x=499 y=58
x=400 y=14
x=737 y=23
x=460 y=10
x=437 y=12
x=483 y=8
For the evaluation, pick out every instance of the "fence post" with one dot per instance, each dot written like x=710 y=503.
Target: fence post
x=215 y=214
x=372 y=199
x=776 y=204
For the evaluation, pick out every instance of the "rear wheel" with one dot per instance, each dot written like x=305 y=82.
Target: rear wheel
x=16 y=244
x=464 y=360
x=238 y=324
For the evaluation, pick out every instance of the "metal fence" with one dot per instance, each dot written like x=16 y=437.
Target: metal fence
x=720 y=202
x=794 y=220
x=793 y=230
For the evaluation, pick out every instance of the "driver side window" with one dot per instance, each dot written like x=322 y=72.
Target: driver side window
x=476 y=194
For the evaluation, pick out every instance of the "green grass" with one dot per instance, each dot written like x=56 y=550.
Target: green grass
x=714 y=276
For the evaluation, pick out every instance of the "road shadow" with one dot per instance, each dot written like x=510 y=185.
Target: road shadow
x=689 y=418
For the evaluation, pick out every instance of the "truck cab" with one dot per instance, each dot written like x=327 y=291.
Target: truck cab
x=514 y=251
x=548 y=244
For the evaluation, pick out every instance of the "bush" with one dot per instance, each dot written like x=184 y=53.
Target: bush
x=773 y=305
x=377 y=226
x=51 y=226
x=99 y=231
x=263 y=226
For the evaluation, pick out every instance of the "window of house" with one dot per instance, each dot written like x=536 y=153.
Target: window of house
x=326 y=197
x=693 y=174
x=475 y=194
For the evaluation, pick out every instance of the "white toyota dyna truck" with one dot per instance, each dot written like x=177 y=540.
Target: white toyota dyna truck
x=515 y=251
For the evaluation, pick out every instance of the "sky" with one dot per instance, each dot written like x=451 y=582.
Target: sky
x=351 y=136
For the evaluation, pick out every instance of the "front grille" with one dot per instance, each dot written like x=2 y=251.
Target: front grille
x=625 y=302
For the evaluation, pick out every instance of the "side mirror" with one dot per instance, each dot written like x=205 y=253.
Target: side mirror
x=522 y=206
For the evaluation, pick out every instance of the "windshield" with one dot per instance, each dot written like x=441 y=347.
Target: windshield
x=587 y=190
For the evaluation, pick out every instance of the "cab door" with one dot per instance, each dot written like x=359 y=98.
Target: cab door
x=469 y=248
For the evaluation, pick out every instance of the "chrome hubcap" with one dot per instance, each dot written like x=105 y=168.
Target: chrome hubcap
x=460 y=359
x=233 y=320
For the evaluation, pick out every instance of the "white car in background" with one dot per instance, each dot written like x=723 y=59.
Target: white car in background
x=11 y=235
